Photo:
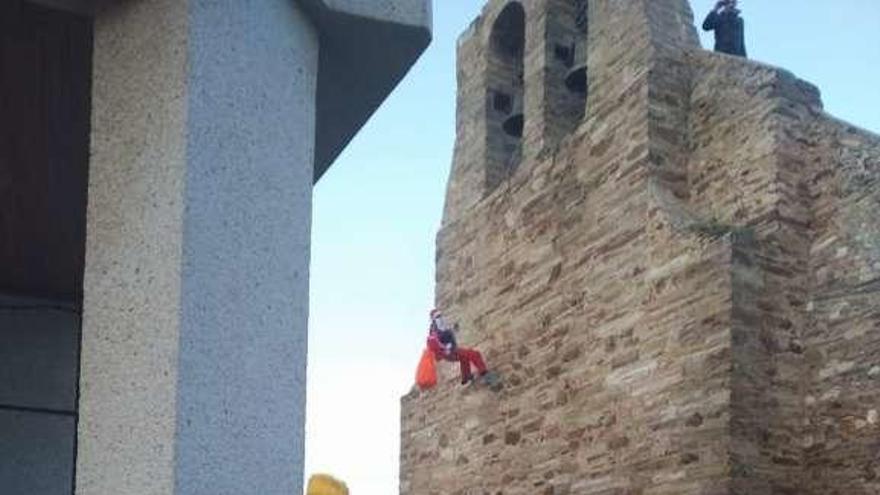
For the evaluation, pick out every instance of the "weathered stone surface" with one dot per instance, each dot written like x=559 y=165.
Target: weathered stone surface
x=680 y=290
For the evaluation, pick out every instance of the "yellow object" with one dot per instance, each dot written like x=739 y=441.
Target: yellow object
x=324 y=484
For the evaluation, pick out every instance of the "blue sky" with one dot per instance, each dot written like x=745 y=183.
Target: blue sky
x=377 y=210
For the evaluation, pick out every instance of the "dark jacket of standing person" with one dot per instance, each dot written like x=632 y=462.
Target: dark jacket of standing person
x=729 y=30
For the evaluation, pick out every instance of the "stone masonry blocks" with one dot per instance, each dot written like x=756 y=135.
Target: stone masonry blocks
x=680 y=293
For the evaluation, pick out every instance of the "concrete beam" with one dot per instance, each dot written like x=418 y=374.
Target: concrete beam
x=367 y=46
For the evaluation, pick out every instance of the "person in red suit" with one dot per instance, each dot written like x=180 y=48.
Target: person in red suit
x=441 y=342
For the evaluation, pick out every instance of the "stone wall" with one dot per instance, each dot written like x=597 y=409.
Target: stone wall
x=842 y=339
x=680 y=294
x=598 y=398
x=745 y=169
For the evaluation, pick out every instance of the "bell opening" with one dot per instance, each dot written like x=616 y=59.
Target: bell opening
x=576 y=79
x=513 y=125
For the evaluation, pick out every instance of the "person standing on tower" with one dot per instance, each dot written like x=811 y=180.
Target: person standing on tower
x=729 y=28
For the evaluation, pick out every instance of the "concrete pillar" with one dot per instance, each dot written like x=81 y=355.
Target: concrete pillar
x=195 y=307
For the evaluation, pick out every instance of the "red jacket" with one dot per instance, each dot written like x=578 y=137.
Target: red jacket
x=435 y=346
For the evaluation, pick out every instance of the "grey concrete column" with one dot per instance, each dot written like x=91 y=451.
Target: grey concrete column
x=195 y=310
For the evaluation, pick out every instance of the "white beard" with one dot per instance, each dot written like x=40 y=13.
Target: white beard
x=440 y=323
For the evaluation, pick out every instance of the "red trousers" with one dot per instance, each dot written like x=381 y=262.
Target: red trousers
x=466 y=357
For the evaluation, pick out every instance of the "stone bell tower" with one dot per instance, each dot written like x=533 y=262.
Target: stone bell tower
x=669 y=254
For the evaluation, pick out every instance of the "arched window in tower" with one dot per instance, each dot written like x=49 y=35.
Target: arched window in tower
x=565 y=75
x=575 y=71
x=505 y=94
x=576 y=78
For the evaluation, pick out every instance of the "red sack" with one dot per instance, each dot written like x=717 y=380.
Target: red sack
x=426 y=374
